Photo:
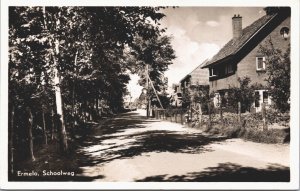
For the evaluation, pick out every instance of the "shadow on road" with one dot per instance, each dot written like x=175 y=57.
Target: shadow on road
x=131 y=135
x=229 y=172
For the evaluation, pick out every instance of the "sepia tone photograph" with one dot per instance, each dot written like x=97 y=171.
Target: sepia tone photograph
x=149 y=94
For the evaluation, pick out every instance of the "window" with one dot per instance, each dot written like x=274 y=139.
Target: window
x=228 y=69
x=284 y=32
x=257 y=98
x=265 y=97
x=212 y=72
x=260 y=63
x=261 y=96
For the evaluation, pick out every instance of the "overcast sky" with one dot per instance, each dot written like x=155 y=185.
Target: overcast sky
x=197 y=34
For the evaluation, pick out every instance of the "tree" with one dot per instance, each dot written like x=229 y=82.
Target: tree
x=155 y=53
x=278 y=69
x=72 y=60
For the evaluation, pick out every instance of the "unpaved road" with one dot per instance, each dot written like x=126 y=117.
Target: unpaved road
x=133 y=148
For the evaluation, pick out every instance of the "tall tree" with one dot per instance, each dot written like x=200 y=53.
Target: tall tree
x=278 y=68
x=72 y=60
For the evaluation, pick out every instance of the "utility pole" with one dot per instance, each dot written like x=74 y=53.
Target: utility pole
x=147 y=87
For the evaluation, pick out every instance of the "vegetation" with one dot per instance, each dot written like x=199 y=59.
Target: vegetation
x=69 y=66
x=278 y=67
x=250 y=127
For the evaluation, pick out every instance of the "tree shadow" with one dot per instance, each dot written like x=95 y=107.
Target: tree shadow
x=229 y=172
x=122 y=141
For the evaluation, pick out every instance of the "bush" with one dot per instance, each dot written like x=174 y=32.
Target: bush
x=269 y=136
x=250 y=127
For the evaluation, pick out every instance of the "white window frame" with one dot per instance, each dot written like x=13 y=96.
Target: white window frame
x=268 y=98
x=285 y=34
x=212 y=73
x=261 y=99
x=264 y=63
x=217 y=99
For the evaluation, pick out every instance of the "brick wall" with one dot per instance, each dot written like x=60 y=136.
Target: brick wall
x=247 y=66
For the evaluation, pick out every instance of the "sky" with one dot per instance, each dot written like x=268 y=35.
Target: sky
x=198 y=33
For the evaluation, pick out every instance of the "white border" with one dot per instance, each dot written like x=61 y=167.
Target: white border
x=294 y=145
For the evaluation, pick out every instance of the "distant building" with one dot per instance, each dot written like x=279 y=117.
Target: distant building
x=198 y=77
x=176 y=88
x=192 y=82
x=240 y=57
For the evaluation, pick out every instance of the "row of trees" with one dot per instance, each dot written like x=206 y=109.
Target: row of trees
x=69 y=65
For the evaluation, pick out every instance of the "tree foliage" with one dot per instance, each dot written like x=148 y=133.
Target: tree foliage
x=278 y=68
x=243 y=94
x=82 y=53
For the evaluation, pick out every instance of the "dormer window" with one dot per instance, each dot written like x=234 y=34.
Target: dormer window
x=260 y=63
x=284 y=32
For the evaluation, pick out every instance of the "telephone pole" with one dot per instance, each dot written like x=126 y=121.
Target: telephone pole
x=147 y=87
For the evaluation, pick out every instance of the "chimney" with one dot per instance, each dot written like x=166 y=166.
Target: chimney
x=237 y=26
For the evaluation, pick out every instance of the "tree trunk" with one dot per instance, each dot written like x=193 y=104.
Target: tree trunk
x=97 y=108
x=11 y=141
x=59 y=103
x=200 y=115
x=53 y=124
x=44 y=129
x=74 y=82
x=239 y=112
x=30 y=138
x=59 y=108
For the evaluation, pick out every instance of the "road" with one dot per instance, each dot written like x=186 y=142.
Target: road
x=131 y=147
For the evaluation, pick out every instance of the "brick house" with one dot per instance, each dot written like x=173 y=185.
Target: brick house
x=240 y=57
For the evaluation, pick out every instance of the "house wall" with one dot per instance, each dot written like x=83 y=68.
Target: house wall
x=199 y=76
x=247 y=66
x=225 y=83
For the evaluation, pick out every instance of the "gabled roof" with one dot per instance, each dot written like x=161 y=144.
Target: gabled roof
x=202 y=77
x=235 y=44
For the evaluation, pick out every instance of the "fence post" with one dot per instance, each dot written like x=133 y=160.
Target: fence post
x=181 y=117
x=191 y=119
x=239 y=112
x=175 y=116
x=221 y=115
x=209 y=115
x=265 y=125
x=200 y=115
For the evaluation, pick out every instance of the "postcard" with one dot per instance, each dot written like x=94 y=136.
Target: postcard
x=150 y=95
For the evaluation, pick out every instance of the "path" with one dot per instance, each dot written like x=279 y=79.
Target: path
x=133 y=148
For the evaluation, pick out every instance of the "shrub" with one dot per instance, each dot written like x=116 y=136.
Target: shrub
x=269 y=136
x=250 y=127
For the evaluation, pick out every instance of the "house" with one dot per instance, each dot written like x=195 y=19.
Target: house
x=241 y=57
x=195 y=80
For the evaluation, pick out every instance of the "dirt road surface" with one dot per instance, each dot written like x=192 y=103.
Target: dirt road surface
x=131 y=147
